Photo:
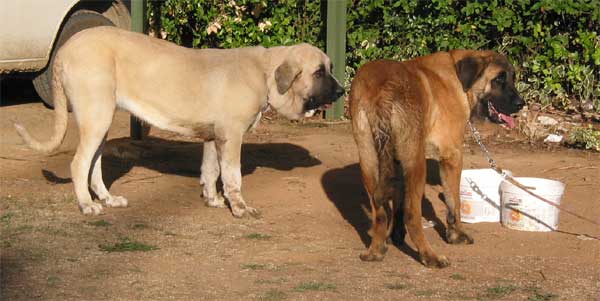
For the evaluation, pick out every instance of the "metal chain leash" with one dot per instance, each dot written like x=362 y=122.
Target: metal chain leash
x=491 y=161
x=477 y=137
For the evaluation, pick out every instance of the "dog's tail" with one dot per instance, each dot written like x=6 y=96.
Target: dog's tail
x=384 y=142
x=374 y=135
x=60 y=117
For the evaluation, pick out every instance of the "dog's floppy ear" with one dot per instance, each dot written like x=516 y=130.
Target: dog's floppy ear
x=469 y=69
x=285 y=75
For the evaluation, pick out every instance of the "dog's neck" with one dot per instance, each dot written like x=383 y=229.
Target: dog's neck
x=272 y=59
x=473 y=99
x=282 y=103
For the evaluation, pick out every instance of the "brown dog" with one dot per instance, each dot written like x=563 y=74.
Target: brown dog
x=406 y=112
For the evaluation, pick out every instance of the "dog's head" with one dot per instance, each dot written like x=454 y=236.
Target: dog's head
x=304 y=82
x=491 y=79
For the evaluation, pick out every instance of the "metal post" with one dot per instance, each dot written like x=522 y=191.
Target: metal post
x=138 y=24
x=336 y=49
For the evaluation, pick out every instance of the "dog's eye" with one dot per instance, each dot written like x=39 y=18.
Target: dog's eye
x=499 y=80
x=319 y=73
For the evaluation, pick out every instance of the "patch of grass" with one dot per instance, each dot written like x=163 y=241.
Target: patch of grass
x=100 y=223
x=499 y=291
x=270 y=281
x=258 y=236
x=457 y=277
x=53 y=280
x=53 y=231
x=24 y=229
x=140 y=226
x=538 y=295
x=396 y=286
x=315 y=286
x=34 y=254
x=6 y=217
x=424 y=293
x=127 y=245
x=462 y=296
x=253 y=266
x=273 y=295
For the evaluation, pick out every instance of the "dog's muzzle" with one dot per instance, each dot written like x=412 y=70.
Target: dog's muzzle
x=314 y=103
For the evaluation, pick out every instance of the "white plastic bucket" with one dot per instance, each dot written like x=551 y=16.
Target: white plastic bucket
x=522 y=211
x=480 y=195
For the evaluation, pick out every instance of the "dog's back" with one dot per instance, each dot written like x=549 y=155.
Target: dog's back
x=388 y=95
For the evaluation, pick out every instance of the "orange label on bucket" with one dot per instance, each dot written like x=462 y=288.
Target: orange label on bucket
x=465 y=208
x=515 y=216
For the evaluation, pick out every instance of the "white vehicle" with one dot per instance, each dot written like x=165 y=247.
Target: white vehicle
x=31 y=31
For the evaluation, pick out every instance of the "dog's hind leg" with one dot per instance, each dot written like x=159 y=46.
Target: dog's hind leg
x=97 y=183
x=415 y=173
x=375 y=170
x=382 y=213
x=93 y=106
x=450 y=173
x=209 y=174
x=91 y=136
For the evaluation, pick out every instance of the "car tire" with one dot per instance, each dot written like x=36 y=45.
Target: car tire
x=77 y=22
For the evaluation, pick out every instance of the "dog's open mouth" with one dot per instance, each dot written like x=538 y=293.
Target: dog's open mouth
x=500 y=117
x=313 y=104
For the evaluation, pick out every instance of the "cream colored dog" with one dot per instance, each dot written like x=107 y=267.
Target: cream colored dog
x=214 y=94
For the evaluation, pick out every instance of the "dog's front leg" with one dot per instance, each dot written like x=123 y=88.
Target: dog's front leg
x=229 y=150
x=209 y=174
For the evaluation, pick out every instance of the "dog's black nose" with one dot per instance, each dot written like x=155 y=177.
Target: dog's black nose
x=519 y=102
x=339 y=92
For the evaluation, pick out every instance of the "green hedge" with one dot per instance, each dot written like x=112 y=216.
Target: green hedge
x=555 y=45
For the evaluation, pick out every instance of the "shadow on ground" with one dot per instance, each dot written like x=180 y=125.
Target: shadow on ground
x=185 y=158
x=345 y=190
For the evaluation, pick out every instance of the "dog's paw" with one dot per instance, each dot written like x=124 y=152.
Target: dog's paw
x=454 y=236
x=433 y=261
x=217 y=202
x=90 y=208
x=374 y=253
x=371 y=256
x=255 y=213
x=241 y=210
x=116 y=201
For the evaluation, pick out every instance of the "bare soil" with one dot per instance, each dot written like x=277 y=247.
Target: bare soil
x=306 y=181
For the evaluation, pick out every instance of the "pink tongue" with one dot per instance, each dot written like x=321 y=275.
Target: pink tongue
x=510 y=122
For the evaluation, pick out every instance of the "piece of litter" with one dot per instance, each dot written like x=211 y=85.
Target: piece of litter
x=428 y=224
x=545 y=120
x=552 y=138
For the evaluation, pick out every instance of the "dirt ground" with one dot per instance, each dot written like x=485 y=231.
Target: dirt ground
x=305 y=180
